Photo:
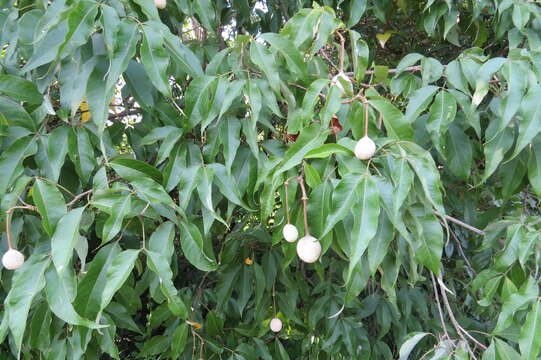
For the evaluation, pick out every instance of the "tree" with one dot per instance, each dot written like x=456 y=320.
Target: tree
x=150 y=159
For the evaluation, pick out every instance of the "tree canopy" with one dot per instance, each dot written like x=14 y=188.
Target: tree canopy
x=151 y=154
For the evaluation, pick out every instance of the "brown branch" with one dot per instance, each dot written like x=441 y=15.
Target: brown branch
x=440 y=310
x=125 y=113
x=77 y=197
x=460 y=330
x=461 y=223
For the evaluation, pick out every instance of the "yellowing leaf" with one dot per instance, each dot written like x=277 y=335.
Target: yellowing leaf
x=382 y=38
x=248 y=261
x=85 y=111
x=194 y=324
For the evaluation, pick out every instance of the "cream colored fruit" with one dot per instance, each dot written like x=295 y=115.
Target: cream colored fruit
x=275 y=325
x=290 y=233
x=12 y=259
x=365 y=148
x=160 y=4
x=309 y=249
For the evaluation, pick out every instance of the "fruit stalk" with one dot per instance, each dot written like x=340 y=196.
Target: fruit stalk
x=365 y=117
x=305 y=205
x=286 y=184
x=8 y=229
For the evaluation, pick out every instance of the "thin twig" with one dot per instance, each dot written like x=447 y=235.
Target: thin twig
x=461 y=251
x=460 y=330
x=461 y=223
x=440 y=310
x=78 y=197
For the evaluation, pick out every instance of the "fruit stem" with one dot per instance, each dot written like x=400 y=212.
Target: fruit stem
x=274 y=298
x=365 y=118
x=8 y=229
x=305 y=205
x=286 y=184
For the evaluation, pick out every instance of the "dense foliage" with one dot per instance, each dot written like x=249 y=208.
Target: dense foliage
x=146 y=156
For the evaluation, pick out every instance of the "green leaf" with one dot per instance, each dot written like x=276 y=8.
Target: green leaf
x=530 y=335
x=161 y=240
x=442 y=114
x=57 y=150
x=155 y=59
x=180 y=337
x=534 y=167
x=505 y=351
x=495 y=151
x=228 y=186
x=159 y=264
x=407 y=61
x=193 y=247
x=205 y=11
x=530 y=121
x=455 y=77
x=393 y=119
x=50 y=204
x=344 y=196
x=365 y=226
x=429 y=236
x=27 y=282
x=419 y=102
x=47 y=48
x=131 y=169
x=327 y=150
x=119 y=210
x=65 y=238
x=360 y=55
x=527 y=293
x=15 y=115
x=514 y=72
x=126 y=37
x=149 y=9
x=12 y=158
x=91 y=286
x=59 y=302
x=230 y=136
x=407 y=347
x=427 y=173
x=81 y=153
x=431 y=70
x=485 y=75
x=20 y=89
x=117 y=273
x=310 y=138
x=151 y=191
x=181 y=54
x=286 y=48
x=458 y=152
x=80 y=21
x=356 y=11
x=402 y=176
x=199 y=98
x=263 y=59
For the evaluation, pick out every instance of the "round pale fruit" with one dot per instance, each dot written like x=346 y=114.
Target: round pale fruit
x=276 y=325
x=160 y=4
x=365 y=148
x=12 y=259
x=308 y=249
x=290 y=232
